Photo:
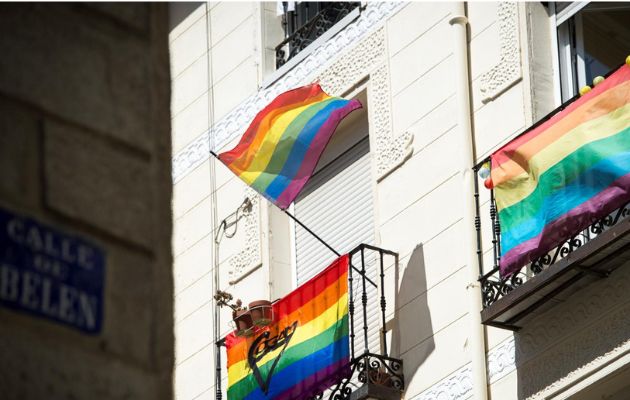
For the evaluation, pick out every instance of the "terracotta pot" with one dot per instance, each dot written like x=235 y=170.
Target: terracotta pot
x=243 y=322
x=261 y=312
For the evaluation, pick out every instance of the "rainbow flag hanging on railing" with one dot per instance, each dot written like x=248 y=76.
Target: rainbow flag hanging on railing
x=555 y=180
x=305 y=350
x=279 y=151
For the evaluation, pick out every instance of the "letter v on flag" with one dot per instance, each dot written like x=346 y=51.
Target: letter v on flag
x=304 y=351
x=280 y=149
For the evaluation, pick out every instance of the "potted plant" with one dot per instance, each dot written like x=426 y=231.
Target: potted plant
x=261 y=312
x=240 y=315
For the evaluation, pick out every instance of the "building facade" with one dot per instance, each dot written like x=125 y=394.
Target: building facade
x=443 y=85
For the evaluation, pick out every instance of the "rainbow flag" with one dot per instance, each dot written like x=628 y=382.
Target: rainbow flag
x=279 y=151
x=304 y=351
x=558 y=178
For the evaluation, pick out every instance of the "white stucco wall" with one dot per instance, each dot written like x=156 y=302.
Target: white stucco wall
x=402 y=55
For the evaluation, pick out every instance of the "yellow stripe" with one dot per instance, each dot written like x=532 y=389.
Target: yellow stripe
x=262 y=157
x=522 y=185
x=329 y=317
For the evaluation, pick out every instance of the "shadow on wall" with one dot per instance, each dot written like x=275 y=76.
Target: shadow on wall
x=587 y=328
x=412 y=337
x=177 y=12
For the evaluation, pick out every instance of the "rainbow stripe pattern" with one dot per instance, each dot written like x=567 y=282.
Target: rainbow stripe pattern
x=280 y=149
x=561 y=176
x=307 y=346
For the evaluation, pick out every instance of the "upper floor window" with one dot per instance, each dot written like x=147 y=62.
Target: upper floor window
x=593 y=39
x=303 y=22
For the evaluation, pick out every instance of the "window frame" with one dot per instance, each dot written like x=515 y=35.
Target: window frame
x=571 y=65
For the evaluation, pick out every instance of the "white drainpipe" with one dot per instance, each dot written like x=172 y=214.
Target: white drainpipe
x=476 y=340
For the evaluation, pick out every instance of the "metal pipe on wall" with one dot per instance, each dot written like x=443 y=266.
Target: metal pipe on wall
x=476 y=340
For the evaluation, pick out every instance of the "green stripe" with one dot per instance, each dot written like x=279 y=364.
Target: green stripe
x=285 y=144
x=338 y=330
x=559 y=176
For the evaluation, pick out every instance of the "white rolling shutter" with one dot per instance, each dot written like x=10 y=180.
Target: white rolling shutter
x=337 y=204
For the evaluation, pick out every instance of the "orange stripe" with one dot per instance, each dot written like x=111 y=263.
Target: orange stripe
x=601 y=105
x=244 y=160
x=303 y=315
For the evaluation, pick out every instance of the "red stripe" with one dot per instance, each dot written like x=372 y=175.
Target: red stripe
x=313 y=287
x=506 y=153
x=286 y=99
x=302 y=295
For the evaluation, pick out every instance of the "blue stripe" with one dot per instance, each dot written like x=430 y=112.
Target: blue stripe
x=298 y=371
x=300 y=147
x=588 y=184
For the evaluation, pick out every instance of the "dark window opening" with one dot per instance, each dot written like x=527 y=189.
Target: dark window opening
x=304 y=22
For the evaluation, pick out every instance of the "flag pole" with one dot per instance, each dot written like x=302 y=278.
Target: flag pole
x=295 y=219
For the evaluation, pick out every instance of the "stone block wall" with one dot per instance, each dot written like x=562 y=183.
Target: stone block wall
x=85 y=148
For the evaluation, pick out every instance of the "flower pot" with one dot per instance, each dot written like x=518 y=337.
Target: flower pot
x=261 y=312
x=243 y=321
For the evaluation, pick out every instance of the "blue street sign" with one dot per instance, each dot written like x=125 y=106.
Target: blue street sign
x=50 y=274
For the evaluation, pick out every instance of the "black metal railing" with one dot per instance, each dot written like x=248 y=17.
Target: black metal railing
x=299 y=36
x=493 y=286
x=369 y=365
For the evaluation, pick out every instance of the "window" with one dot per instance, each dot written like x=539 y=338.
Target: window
x=303 y=22
x=593 y=39
x=337 y=202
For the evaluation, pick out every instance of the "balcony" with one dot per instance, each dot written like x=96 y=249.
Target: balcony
x=372 y=373
x=591 y=254
x=309 y=21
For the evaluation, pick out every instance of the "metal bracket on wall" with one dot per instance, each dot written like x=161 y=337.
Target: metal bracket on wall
x=229 y=225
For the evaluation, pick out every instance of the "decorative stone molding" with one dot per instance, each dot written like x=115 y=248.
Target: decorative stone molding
x=456 y=386
x=508 y=71
x=229 y=127
x=250 y=256
x=501 y=360
x=391 y=150
x=368 y=60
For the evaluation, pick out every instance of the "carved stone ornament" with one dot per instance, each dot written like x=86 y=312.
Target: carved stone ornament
x=368 y=60
x=457 y=385
x=508 y=71
x=234 y=123
x=250 y=256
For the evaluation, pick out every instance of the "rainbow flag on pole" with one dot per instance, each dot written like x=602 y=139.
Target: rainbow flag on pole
x=305 y=350
x=279 y=151
x=557 y=179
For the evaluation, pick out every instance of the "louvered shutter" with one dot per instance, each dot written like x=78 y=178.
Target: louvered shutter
x=337 y=204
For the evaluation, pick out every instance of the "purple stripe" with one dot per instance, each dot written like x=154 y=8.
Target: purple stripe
x=559 y=230
x=317 y=382
x=314 y=153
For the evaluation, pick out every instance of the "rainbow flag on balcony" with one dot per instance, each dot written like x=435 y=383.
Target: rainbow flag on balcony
x=304 y=351
x=279 y=151
x=561 y=176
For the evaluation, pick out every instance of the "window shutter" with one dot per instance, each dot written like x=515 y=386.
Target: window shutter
x=337 y=204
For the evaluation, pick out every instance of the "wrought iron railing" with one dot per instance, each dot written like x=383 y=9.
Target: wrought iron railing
x=493 y=286
x=368 y=365
x=298 y=40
